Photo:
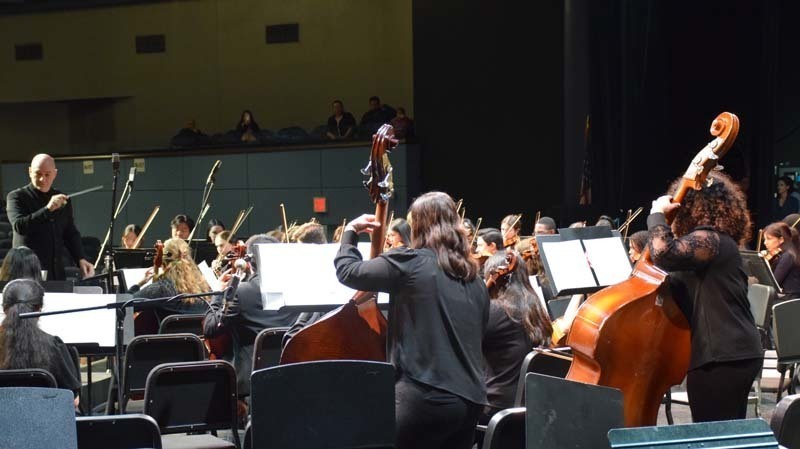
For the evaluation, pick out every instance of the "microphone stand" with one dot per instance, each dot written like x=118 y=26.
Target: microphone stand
x=123 y=201
x=109 y=256
x=120 y=322
x=204 y=204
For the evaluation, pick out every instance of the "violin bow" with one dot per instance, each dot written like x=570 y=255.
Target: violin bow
x=475 y=232
x=760 y=237
x=285 y=225
x=146 y=226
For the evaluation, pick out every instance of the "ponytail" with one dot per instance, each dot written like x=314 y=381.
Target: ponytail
x=22 y=344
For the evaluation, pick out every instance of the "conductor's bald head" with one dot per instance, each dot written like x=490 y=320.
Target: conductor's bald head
x=42 y=172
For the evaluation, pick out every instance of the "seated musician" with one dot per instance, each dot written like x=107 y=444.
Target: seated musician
x=223 y=243
x=490 y=240
x=337 y=234
x=180 y=275
x=704 y=239
x=21 y=263
x=215 y=226
x=517 y=323
x=636 y=245
x=129 y=235
x=439 y=310
x=782 y=245
x=311 y=232
x=181 y=226
x=245 y=317
x=545 y=226
x=511 y=227
x=399 y=234
x=23 y=345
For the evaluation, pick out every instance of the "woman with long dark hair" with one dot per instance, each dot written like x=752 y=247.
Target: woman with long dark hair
x=517 y=323
x=23 y=345
x=438 y=313
x=399 y=234
x=704 y=239
x=21 y=263
x=782 y=244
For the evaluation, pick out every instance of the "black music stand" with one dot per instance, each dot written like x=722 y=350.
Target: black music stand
x=134 y=258
x=205 y=251
x=583 y=260
x=759 y=268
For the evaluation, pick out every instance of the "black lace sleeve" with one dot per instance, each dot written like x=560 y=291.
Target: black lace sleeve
x=690 y=252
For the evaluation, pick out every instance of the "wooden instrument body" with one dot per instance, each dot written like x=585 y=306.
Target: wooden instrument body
x=632 y=336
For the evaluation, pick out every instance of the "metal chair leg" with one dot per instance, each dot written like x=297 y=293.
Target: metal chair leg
x=668 y=407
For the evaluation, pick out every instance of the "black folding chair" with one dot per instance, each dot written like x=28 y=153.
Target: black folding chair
x=193 y=397
x=134 y=431
x=41 y=418
x=506 y=430
x=267 y=347
x=550 y=362
x=785 y=422
x=33 y=377
x=328 y=404
x=145 y=352
x=182 y=324
x=785 y=316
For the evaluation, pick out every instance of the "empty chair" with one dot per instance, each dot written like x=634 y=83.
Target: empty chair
x=506 y=430
x=785 y=422
x=41 y=418
x=327 y=404
x=550 y=362
x=33 y=377
x=267 y=347
x=785 y=316
x=190 y=323
x=762 y=298
x=193 y=397
x=147 y=351
x=118 y=432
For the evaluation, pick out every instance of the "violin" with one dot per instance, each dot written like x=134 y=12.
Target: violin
x=770 y=255
x=220 y=344
x=500 y=275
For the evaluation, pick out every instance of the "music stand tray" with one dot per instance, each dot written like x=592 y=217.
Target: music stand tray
x=134 y=258
x=759 y=268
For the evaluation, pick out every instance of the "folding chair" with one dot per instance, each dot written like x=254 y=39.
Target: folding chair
x=118 y=432
x=785 y=316
x=33 y=377
x=182 y=324
x=267 y=347
x=785 y=422
x=506 y=430
x=41 y=418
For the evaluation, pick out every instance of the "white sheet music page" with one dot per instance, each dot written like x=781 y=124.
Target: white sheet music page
x=134 y=275
x=302 y=275
x=568 y=265
x=209 y=276
x=609 y=260
x=96 y=326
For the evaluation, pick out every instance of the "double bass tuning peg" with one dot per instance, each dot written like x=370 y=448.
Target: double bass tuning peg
x=365 y=170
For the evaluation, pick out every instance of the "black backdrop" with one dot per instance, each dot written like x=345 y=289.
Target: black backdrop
x=496 y=108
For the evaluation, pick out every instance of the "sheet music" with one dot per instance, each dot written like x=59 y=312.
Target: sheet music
x=96 y=326
x=209 y=276
x=134 y=275
x=608 y=259
x=568 y=265
x=538 y=289
x=303 y=275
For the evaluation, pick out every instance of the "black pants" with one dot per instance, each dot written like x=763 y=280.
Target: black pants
x=718 y=391
x=428 y=418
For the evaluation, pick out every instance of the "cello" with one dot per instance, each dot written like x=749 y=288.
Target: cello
x=632 y=335
x=356 y=330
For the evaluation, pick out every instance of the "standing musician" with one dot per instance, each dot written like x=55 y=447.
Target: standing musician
x=517 y=323
x=782 y=244
x=439 y=310
x=180 y=275
x=42 y=220
x=704 y=238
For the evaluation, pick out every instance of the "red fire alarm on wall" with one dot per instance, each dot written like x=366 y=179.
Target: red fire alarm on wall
x=320 y=205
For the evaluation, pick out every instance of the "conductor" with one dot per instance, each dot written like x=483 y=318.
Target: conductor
x=42 y=220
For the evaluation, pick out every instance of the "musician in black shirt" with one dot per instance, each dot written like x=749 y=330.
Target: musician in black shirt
x=704 y=240
x=438 y=315
x=781 y=242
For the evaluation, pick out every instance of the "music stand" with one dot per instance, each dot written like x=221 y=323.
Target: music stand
x=759 y=268
x=134 y=258
x=583 y=260
x=205 y=251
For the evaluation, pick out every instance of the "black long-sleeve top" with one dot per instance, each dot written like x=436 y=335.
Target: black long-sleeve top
x=43 y=231
x=722 y=325
x=165 y=288
x=244 y=318
x=436 y=322
x=787 y=273
x=505 y=346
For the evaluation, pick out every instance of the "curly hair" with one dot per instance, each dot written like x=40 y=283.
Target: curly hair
x=181 y=269
x=722 y=205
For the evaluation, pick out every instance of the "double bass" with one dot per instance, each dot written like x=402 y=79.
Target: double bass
x=356 y=330
x=632 y=335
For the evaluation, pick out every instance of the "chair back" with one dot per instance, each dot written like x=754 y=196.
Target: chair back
x=761 y=297
x=785 y=422
x=267 y=347
x=550 y=362
x=135 y=431
x=145 y=352
x=41 y=418
x=785 y=316
x=33 y=377
x=739 y=433
x=182 y=324
x=192 y=397
x=506 y=430
x=325 y=404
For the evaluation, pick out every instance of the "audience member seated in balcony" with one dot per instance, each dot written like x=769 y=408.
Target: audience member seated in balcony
x=180 y=275
x=247 y=128
x=190 y=136
x=403 y=125
x=181 y=227
x=215 y=226
x=24 y=346
x=378 y=114
x=129 y=235
x=21 y=263
x=341 y=124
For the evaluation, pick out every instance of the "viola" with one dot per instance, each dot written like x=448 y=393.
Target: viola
x=770 y=255
x=632 y=335
x=500 y=275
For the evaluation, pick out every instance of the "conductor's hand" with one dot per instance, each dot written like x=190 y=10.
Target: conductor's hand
x=57 y=202
x=364 y=223
x=664 y=205
x=86 y=268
